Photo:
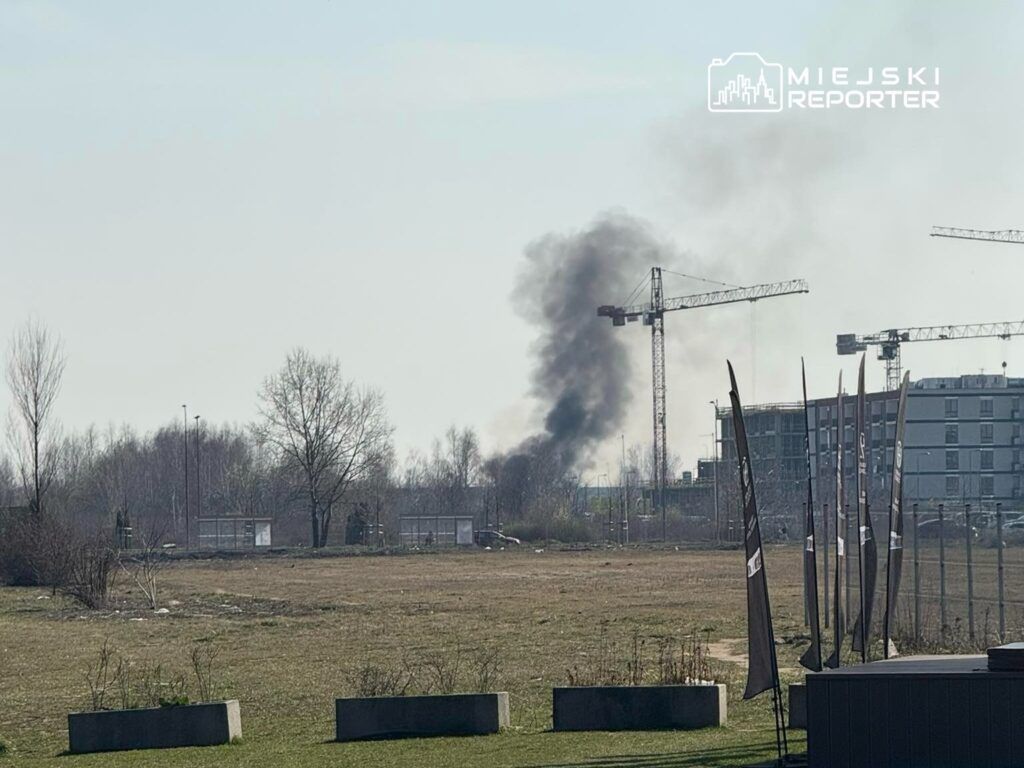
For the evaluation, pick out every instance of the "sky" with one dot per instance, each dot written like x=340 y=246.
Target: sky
x=189 y=190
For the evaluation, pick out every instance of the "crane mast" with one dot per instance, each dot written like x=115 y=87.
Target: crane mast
x=889 y=341
x=995 y=235
x=653 y=314
x=657 y=322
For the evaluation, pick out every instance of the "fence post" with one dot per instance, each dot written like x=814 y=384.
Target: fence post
x=942 y=572
x=917 y=579
x=846 y=536
x=970 y=573
x=999 y=570
x=824 y=534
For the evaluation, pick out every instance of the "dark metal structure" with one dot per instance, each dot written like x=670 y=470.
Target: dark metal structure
x=942 y=711
x=653 y=315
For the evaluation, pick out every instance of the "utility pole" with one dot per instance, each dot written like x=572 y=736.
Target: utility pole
x=199 y=499
x=188 y=538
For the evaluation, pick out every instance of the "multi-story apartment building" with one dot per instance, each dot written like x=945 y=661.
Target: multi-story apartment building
x=962 y=445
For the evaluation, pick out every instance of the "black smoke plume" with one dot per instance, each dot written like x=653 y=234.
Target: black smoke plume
x=583 y=375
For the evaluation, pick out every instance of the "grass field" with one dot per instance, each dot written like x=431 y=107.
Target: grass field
x=291 y=630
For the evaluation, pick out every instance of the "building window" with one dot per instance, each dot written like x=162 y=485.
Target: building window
x=952 y=485
x=952 y=459
x=986 y=459
x=953 y=433
x=987 y=432
x=986 y=407
x=988 y=485
x=952 y=408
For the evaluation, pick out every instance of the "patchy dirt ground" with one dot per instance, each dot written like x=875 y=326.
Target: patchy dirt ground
x=291 y=632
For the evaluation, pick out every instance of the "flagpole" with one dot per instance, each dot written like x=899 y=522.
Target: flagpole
x=763 y=664
x=894 y=560
x=835 y=660
x=862 y=512
x=811 y=659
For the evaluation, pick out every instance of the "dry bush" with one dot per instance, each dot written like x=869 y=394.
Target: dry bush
x=204 y=659
x=369 y=679
x=46 y=552
x=486 y=670
x=116 y=680
x=450 y=668
x=89 y=572
x=442 y=668
x=675 y=661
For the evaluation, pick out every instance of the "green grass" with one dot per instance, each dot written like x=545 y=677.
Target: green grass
x=291 y=630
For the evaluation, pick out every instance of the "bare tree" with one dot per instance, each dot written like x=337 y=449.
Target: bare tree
x=146 y=560
x=329 y=431
x=35 y=368
x=463 y=463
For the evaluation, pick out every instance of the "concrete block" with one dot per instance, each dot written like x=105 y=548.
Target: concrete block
x=458 y=714
x=798 y=706
x=638 y=708
x=191 y=725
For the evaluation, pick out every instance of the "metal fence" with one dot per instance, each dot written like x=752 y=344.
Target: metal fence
x=962 y=576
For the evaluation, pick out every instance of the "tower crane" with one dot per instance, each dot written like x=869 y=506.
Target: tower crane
x=998 y=235
x=653 y=314
x=888 y=342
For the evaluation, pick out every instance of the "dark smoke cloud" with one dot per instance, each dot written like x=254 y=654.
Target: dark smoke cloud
x=583 y=376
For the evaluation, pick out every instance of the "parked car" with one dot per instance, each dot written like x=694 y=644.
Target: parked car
x=495 y=539
x=951 y=529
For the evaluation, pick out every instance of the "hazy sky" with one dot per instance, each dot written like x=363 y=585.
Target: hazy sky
x=189 y=189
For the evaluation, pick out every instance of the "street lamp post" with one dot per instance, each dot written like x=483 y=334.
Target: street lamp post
x=718 y=529
x=199 y=499
x=188 y=538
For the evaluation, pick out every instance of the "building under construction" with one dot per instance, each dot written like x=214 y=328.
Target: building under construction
x=962 y=446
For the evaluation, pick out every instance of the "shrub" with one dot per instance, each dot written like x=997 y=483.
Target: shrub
x=451 y=668
x=562 y=528
x=675 y=661
x=371 y=679
x=116 y=680
x=38 y=552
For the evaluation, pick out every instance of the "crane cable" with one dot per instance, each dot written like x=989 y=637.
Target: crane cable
x=702 y=279
x=646 y=281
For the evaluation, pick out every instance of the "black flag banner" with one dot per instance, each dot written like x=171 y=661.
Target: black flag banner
x=894 y=566
x=811 y=658
x=762 y=673
x=837 y=602
x=868 y=546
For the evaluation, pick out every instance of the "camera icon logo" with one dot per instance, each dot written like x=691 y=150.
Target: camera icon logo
x=744 y=82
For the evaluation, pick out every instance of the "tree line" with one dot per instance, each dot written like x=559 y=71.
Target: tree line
x=318 y=456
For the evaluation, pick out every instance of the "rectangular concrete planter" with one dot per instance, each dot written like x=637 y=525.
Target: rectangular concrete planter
x=798 y=706
x=457 y=714
x=190 y=725
x=639 y=708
